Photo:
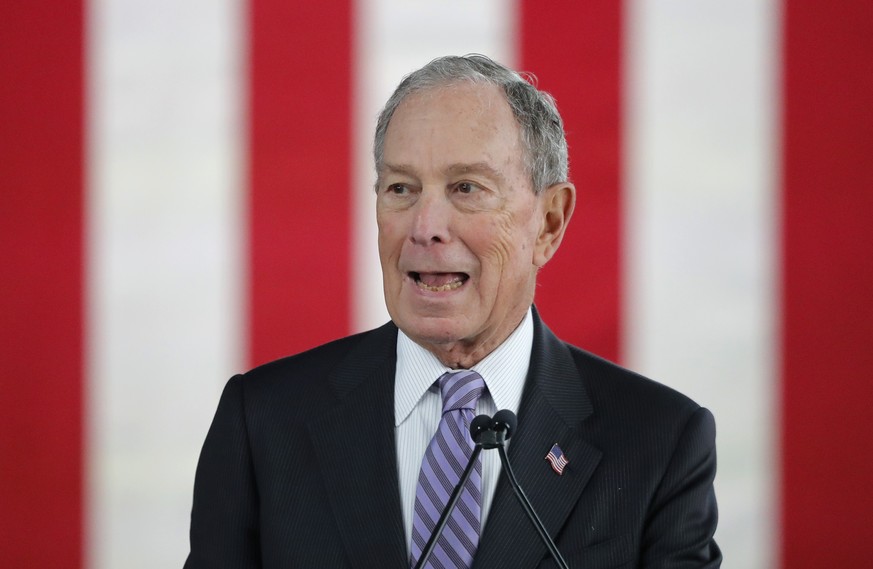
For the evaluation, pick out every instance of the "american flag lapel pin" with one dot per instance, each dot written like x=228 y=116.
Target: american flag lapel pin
x=557 y=459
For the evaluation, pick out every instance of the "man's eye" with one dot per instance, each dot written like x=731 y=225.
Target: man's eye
x=466 y=187
x=398 y=189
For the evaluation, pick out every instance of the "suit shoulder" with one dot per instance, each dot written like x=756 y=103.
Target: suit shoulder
x=306 y=373
x=639 y=418
x=613 y=387
x=320 y=357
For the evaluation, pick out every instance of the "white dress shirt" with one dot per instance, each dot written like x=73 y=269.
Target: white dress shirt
x=418 y=406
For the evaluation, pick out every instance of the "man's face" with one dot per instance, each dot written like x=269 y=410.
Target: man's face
x=458 y=221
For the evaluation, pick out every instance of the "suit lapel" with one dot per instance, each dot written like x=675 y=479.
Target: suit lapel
x=355 y=449
x=552 y=408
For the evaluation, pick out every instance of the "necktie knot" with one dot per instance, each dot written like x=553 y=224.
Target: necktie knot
x=461 y=389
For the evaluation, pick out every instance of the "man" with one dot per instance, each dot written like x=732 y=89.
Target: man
x=344 y=456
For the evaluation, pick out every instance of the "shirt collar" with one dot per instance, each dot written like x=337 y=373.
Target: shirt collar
x=504 y=370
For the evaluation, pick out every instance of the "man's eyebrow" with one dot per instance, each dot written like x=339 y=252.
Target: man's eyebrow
x=458 y=168
x=396 y=169
x=475 y=168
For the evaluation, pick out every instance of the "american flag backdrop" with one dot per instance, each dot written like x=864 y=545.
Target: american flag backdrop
x=186 y=192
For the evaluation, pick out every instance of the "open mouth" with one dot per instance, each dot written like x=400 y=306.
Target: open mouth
x=439 y=282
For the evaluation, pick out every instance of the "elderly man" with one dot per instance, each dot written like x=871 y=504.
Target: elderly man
x=345 y=455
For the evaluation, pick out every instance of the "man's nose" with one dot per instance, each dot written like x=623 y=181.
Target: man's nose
x=430 y=223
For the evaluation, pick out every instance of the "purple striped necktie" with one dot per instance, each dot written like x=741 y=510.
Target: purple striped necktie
x=441 y=469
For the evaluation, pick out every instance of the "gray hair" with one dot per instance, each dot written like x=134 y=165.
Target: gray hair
x=542 y=130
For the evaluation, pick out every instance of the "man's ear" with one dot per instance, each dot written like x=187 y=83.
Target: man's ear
x=557 y=203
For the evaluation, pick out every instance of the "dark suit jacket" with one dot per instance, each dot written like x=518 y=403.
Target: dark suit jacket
x=299 y=468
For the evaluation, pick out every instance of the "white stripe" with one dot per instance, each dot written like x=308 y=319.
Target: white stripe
x=395 y=37
x=699 y=277
x=165 y=273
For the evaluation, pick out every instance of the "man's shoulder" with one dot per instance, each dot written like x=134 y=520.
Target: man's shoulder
x=320 y=356
x=601 y=387
x=309 y=371
x=631 y=411
x=610 y=382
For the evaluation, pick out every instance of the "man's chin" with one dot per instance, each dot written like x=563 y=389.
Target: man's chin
x=433 y=330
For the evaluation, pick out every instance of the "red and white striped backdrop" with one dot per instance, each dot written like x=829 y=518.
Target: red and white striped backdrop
x=186 y=193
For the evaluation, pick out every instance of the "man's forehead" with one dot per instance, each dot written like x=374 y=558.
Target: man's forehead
x=484 y=101
x=458 y=129
x=487 y=93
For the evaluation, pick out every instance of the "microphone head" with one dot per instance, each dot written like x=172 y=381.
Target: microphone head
x=506 y=421
x=479 y=425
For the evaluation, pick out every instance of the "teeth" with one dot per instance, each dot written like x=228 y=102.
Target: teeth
x=442 y=288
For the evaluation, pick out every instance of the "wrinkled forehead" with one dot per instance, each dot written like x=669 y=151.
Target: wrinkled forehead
x=477 y=97
x=452 y=128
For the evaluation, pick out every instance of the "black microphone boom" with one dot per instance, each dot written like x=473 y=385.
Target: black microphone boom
x=505 y=421
x=491 y=433
x=479 y=423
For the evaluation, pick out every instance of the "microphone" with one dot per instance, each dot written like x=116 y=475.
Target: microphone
x=479 y=426
x=491 y=433
x=504 y=422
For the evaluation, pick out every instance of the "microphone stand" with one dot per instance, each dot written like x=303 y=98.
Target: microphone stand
x=488 y=439
x=447 y=511
x=528 y=509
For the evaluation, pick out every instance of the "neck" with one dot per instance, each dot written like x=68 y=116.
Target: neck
x=464 y=354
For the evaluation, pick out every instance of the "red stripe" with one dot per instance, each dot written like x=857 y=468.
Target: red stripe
x=827 y=326
x=574 y=49
x=41 y=287
x=300 y=148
